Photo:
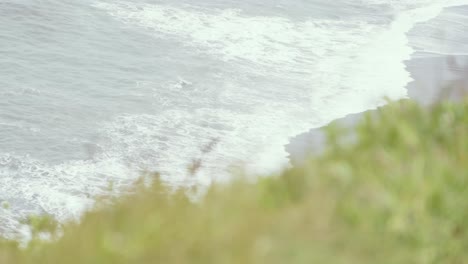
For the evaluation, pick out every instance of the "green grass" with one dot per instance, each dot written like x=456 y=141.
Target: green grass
x=398 y=194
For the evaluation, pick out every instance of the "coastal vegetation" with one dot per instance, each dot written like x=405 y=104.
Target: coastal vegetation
x=392 y=189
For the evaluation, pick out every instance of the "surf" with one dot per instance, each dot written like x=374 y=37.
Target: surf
x=247 y=81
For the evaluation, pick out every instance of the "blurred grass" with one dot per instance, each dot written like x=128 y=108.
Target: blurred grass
x=396 y=194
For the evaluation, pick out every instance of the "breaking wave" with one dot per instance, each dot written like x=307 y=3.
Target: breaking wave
x=271 y=78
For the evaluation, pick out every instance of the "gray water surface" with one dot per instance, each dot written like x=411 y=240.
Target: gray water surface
x=95 y=92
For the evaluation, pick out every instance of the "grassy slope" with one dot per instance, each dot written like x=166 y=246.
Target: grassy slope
x=398 y=195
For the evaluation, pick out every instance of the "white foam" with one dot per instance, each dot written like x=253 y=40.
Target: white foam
x=307 y=73
x=330 y=59
x=273 y=42
x=64 y=191
x=342 y=67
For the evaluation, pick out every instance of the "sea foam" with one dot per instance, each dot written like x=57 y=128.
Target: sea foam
x=274 y=77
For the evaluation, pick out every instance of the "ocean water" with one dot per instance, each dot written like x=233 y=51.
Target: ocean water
x=95 y=92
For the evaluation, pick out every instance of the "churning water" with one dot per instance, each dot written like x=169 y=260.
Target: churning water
x=94 y=92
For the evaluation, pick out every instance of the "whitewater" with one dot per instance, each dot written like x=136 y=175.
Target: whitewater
x=93 y=93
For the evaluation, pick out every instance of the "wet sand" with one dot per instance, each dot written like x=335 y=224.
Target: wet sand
x=435 y=76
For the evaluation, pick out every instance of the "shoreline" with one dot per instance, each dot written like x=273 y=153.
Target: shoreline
x=433 y=77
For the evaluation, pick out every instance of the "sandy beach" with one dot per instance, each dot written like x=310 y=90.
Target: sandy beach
x=434 y=76
x=95 y=92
